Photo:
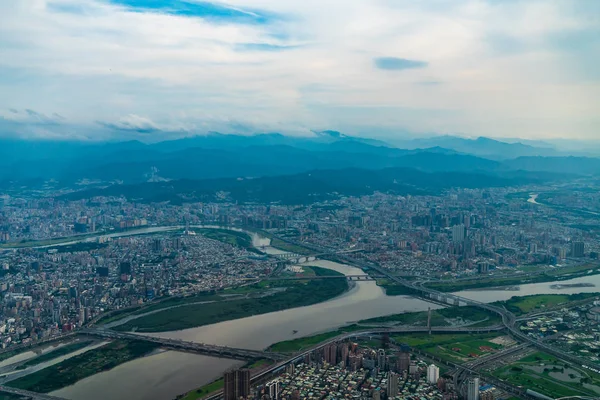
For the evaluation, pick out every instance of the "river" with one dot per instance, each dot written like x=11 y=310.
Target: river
x=164 y=375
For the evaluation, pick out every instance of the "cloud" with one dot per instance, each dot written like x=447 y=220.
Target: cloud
x=396 y=64
x=177 y=67
x=30 y=117
x=132 y=123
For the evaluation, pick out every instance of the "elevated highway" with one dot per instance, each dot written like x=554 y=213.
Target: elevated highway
x=27 y=394
x=508 y=319
x=190 y=347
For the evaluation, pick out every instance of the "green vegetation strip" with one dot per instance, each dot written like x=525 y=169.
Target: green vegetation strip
x=547 y=375
x=456 y=348
x=556 y=275
x=158 y=305
x=204 y=390
x=292 y=248
x=59 y=352
x=439 y=317
x=520 y=305
x=291 y=346
x=297 y=294
x=83 y=365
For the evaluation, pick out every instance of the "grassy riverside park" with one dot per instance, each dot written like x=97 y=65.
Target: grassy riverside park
x=520 y=305
x=61 y=351
x=551 y=276
x=439 y=317
x=545 y=374
x=83 y=365
x=296 y=294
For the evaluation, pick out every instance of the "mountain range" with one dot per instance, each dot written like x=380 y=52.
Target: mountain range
x=217 y=159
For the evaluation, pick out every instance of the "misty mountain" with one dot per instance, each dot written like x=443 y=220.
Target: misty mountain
x=481 y=147
x=219 y=156
x=232 y=156
x=567 y=165
x=306 y=187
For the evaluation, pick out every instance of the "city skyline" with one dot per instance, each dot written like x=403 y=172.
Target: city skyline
x=93 y=69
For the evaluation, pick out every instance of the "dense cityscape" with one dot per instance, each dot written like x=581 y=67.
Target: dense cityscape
x=69 y=266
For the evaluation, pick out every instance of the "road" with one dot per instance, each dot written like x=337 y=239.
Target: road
x=29 y=395
x=508 y=319
x=192 y=347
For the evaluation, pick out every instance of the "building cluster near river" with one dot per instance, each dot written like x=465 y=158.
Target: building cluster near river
x=66 y=265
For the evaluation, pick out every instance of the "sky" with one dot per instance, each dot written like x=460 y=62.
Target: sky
x=152 y=69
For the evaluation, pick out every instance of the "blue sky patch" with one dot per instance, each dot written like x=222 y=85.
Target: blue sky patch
x=201 y=9
x=396 y=64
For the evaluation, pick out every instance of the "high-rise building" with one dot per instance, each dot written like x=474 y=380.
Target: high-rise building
x=483 y=267
x=393 y=384
x=376 y=394
x=381 y=359
x=433 y=374
x=458 y=233
x=404 y=358
x=473 y=389
x=236 y=384
x=577 y=249
x=272 y=389
x=331 y=354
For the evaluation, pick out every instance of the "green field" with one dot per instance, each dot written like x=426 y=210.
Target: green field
x=61 y=351
x=439 y=317
x=83 y=365
x=296 y=294
x=158 y=305
x=292 y=346
x=526 y=304
x=259 y=364
x=286 y=246
x=547 y=375
x=204 y=390
x=456 y=348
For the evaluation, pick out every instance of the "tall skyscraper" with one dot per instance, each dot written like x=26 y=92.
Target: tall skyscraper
x=393 y=384
x=433 y=374
x=577 y=249
x=404 y=358
x=330 y=354
x=272 y=389
x=458 y=233
x=473 y=389
x=381 y=359
x=236 y=384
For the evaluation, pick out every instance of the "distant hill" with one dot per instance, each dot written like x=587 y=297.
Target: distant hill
x=217 y=156
x=567 y=165
x=481 y=147
x=307 y=187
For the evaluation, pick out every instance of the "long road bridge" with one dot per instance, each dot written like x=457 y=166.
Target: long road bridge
x=190 y=347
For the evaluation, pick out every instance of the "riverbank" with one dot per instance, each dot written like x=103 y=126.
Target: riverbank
x=81 y=366
x=561 y=274
x=293 y=294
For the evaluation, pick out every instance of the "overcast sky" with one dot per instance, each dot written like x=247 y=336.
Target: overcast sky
x=150 y=68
